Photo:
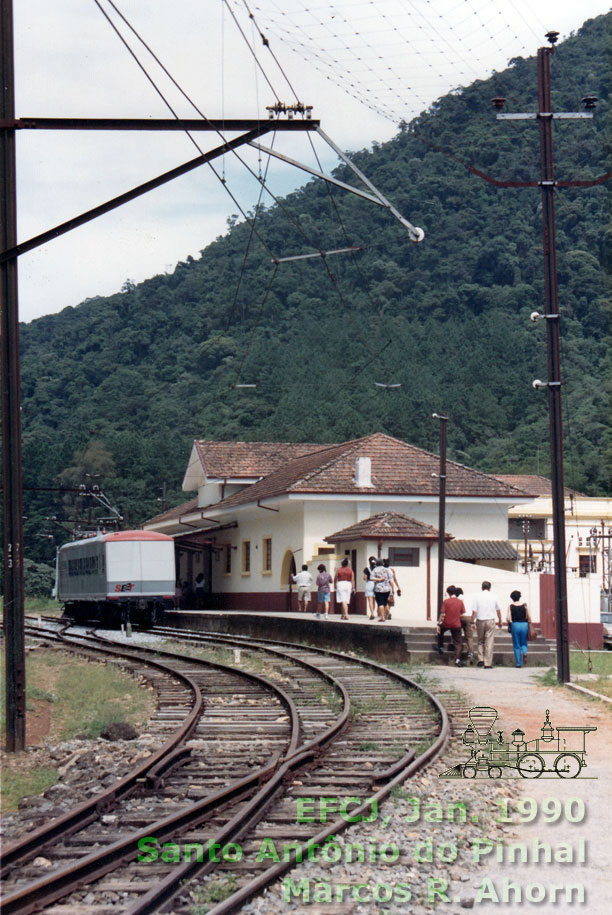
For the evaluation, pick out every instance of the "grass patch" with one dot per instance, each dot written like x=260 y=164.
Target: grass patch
x=548 y=677
x=47 y=605
x=65 y=697
x=600 y=662
x=206 y=897
x=16 y=785
x=603 y=683
x=83 y=697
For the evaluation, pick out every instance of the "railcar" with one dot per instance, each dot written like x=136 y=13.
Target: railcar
x=115 y=577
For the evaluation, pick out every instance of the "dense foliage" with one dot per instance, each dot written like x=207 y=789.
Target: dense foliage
x=115 y=390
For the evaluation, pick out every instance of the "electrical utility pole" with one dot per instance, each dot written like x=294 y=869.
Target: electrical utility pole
x=11 y=410
x=283 y=118
x=441 y=506
x=548 y=185
x=10 y=250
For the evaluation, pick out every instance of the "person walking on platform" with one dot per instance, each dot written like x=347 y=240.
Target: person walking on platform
x=518 y=618
x=383 y=587
x=450 y=618
x=369 y=587
x=324 y=581
x=344 y=583
x=303 y=580
x=484 y=610
x=467 y=626
x=395 y=586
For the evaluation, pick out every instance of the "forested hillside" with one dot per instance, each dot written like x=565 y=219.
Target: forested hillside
x=119 y=387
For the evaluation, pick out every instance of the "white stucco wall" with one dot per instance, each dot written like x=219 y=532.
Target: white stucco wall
x=581 y=516
x=286 y=530
x=582 y=593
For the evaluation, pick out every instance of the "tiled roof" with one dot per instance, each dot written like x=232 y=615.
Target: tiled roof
x=248 y=459
x=386 y=526
x=480 y=549
x=173 y=513
x=397 y=469
x=532 y=483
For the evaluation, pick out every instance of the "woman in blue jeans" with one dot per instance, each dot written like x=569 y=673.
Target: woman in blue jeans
x=519 y=618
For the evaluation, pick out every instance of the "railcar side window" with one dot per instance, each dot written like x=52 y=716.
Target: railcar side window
x=83 y=565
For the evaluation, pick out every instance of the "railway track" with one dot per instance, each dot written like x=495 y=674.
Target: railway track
x=287 y=727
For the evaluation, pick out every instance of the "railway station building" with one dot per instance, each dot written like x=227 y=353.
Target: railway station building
x=263 y=510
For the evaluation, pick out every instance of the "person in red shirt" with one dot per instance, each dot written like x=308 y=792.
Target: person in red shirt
x=450 y=618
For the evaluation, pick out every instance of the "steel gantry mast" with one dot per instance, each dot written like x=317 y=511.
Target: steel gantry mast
x=296 y=117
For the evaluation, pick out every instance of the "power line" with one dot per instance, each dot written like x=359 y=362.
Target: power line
x=396 y=56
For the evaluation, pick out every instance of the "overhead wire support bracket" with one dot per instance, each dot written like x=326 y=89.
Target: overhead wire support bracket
x=31 y=243
x=415 y=233
x=303 y=257
x=317 y=174
x=215 y=125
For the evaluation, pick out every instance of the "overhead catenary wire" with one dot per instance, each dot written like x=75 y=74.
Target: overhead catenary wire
x=385 y=53
x=262 y=181
x=266 y=43
x=255 y=326
x=197 y=109
x=221 y=179
x=157 y=60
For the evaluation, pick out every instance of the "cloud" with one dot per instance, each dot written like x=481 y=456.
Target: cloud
x=70 y=63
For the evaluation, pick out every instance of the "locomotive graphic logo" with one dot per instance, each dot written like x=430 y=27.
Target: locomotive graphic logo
x=557 y=752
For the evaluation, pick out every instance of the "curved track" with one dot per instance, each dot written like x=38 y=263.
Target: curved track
x=349 y=729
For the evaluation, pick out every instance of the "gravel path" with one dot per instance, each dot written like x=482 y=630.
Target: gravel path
x=522 y=702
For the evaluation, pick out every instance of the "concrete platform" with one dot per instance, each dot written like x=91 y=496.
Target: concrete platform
x=386 y=641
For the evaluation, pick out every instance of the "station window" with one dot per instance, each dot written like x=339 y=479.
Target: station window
x=227 y=559
x=246 y=557
x=267 y=554
x=404 y=556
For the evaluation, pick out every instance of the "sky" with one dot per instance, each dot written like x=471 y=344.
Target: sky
x=363 y=65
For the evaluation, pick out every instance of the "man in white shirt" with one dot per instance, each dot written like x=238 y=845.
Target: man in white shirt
x=303 y=580
x=484 y=607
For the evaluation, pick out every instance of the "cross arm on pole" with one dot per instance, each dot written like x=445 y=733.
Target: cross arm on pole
x=83 y=218
x=212 y=124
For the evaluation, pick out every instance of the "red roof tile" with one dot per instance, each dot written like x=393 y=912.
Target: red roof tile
x=248 y=459
x=532 y=483
x=397 y=469
x=173 y=513
x=386 y=526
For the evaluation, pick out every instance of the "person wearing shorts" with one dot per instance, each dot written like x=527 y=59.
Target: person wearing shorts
x=395 y=588
x=324 y=581
x=382 y=589
x=369 y=588
x=344 y=582
x=303 y=580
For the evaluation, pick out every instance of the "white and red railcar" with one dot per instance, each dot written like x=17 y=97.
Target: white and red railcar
x=116 y=576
